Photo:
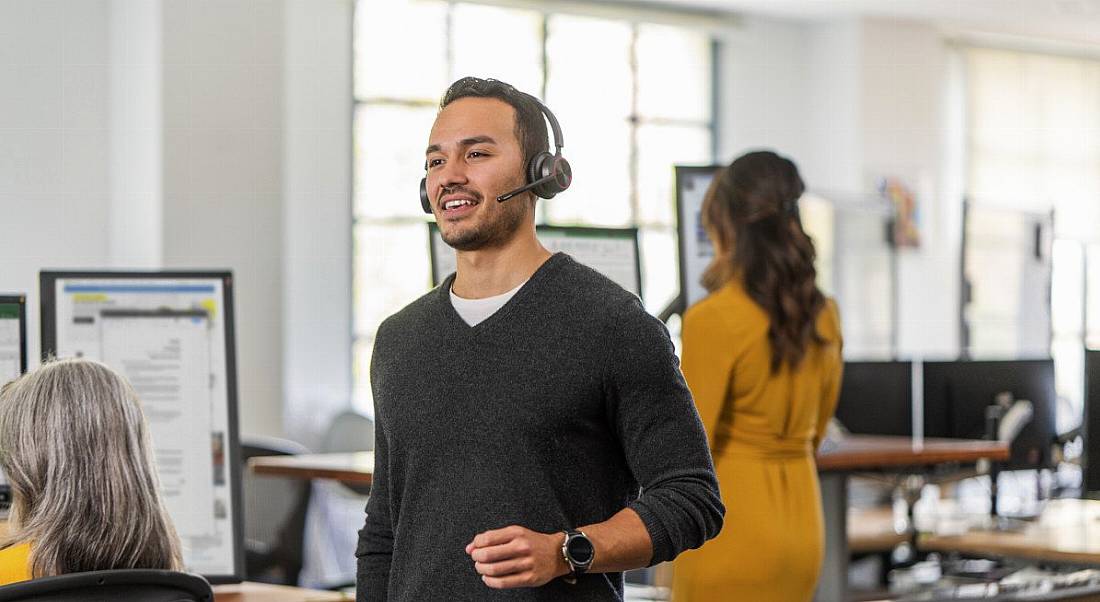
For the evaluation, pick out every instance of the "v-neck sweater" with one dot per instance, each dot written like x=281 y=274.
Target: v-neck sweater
x=559 y=410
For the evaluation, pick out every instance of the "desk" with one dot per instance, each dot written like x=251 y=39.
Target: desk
x=852 y=454
x=872 y=530
x=1067 y=531
x=263 y=592
x=352 y=468
x=856 y=453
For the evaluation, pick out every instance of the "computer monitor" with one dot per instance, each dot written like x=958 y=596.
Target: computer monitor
x=876 y=398
x=696 y=252
x=1092 y=421
x=171 y=335
x=13 y=337
x=956 y=395
x=612 y=252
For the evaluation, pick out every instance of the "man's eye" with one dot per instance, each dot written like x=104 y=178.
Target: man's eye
x=475 y=154
x=434 y=162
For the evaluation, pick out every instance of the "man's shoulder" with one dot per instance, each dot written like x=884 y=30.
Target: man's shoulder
x=584 y=285
x=412 y=316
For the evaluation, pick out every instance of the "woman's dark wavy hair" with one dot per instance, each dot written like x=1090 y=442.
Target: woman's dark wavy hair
x=751 y=214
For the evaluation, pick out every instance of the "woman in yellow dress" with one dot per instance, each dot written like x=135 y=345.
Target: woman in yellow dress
x=85 y=496
x=762 y=356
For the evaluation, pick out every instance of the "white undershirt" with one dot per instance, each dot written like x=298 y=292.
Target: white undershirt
x=475 y=311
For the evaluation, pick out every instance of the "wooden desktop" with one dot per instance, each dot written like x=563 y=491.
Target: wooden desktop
x=1067 y=531
x=871 y=453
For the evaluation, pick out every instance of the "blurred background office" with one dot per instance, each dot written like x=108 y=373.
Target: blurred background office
x=951 y=151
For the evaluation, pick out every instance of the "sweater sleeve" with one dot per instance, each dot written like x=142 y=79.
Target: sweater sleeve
x=661 y=435
x=374 y=553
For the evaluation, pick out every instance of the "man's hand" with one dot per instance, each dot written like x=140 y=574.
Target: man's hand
x=517 y=557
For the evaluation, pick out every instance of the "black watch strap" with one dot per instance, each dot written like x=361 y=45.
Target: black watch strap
x=579 y=553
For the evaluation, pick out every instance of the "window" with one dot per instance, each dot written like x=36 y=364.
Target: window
x=630 y=107
x=1033 y=148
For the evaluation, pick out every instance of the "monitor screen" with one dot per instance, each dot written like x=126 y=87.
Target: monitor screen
x=1092 y=421
x=956 y=395
x=13 y=337
x=876 y=398
x=612 y=252
x=696 y=251
x=171 y=335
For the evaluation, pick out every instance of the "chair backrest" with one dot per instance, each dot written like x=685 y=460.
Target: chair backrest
x=129 y=585
x=274 y=514
x=349 y=432
x=269 y=502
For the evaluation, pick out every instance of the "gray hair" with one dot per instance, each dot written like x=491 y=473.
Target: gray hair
x=85 y=493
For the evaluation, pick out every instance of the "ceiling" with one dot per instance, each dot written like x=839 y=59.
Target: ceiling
x=1071 y=21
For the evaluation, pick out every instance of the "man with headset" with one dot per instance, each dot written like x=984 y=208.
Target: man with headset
x=534 y=430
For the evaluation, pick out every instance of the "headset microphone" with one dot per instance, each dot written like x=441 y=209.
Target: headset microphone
x=535 y=184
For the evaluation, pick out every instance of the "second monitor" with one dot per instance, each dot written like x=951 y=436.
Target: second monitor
x=171 y=335
x=612 y=252
x=13 y=337
x=876 y=398
x=956 y=395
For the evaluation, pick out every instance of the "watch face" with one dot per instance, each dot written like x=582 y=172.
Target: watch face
x=580 y=550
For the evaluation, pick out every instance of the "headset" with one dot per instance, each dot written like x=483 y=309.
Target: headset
x=547 y=174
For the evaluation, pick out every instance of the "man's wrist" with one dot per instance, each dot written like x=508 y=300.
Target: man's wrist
x=579 y=553
x=562 y=565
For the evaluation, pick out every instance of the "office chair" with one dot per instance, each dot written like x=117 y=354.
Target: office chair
x=274 y=515
x=349 y=431
x=330 y=543
x=127 y=585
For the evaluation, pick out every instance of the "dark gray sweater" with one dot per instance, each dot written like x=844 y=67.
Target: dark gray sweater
x=559 y=410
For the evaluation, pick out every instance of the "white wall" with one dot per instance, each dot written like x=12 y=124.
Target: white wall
x=223 y=174
x=317 y=215
x=170 y=133
x=853 y=100
x=834 y=106
x=136 y=134
x=54 y=141
x=905 y=134
x=763 y=89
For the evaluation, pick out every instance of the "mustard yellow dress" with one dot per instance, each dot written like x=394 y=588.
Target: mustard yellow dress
x=763 y=429
x=15 y=564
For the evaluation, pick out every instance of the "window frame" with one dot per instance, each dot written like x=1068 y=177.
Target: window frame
x=635 y=122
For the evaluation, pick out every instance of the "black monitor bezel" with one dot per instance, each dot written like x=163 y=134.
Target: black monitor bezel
x=21 y=301
x=47 y=280
x=623 y=233
x=1091 y=423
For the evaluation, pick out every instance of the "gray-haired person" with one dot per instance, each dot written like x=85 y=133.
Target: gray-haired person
x=85 y=495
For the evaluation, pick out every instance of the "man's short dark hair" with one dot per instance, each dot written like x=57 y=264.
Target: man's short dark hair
x=530 y=125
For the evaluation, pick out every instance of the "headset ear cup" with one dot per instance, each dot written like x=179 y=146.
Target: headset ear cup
x=425 y=202
x=559 y=168
x=563 y=174
x=545 y=165
x=534 y=171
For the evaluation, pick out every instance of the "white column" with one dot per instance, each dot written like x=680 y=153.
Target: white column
x=135 y=134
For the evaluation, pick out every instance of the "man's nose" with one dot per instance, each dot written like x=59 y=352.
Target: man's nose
x=453 y=173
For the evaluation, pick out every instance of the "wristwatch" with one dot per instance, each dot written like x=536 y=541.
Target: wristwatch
x=578 y=552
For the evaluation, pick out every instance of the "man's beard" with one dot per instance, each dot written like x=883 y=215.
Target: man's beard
x=494 y=233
